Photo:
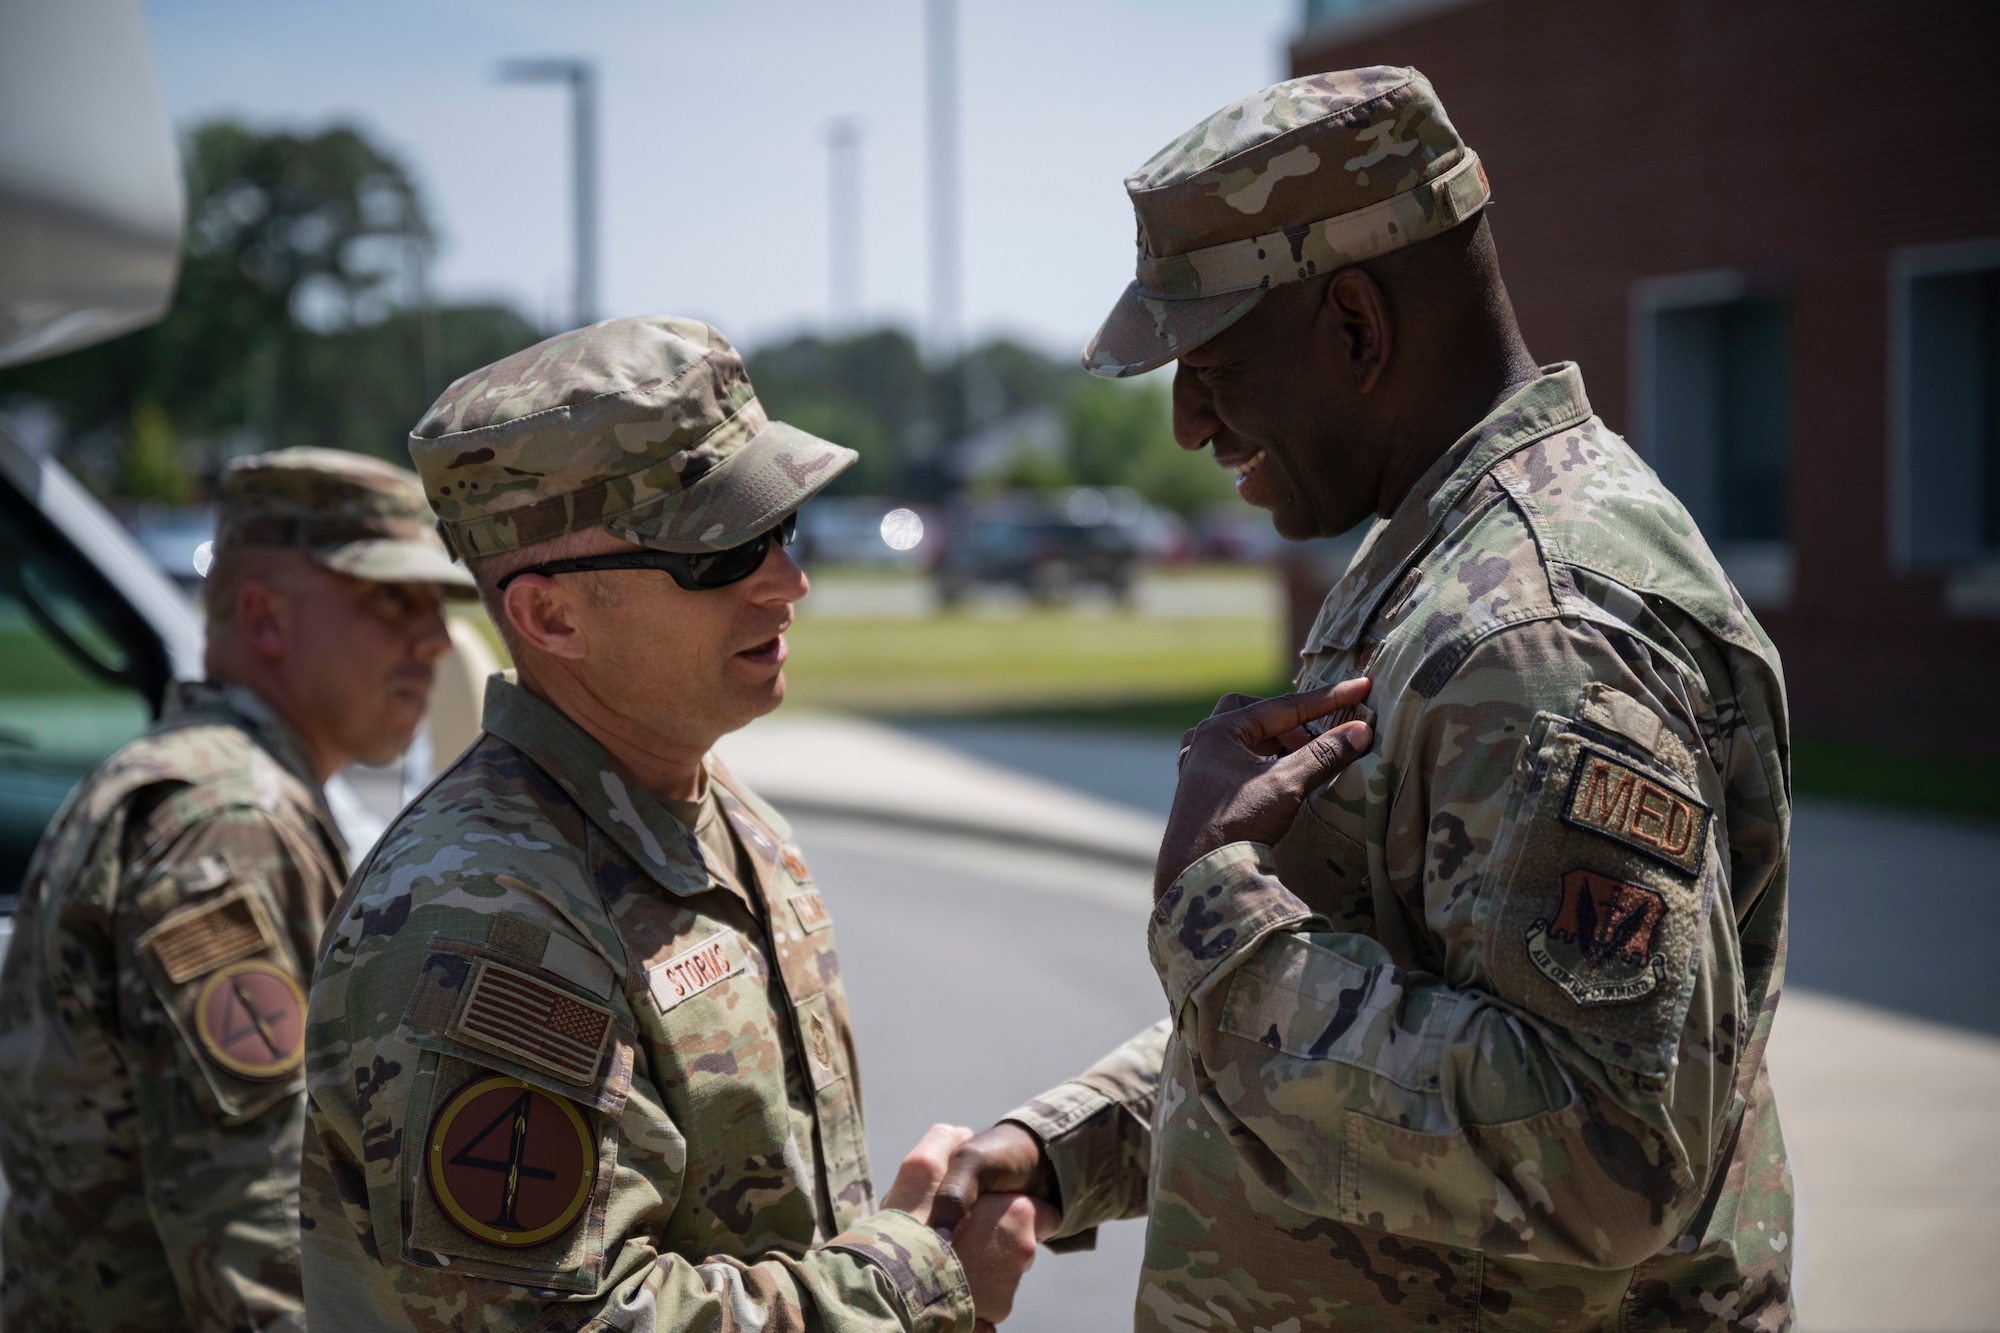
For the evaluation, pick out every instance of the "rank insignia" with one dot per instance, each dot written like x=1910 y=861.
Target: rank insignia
x=810 y=909
x=1600 y=949
x=510 y=1164
x=251 y=1020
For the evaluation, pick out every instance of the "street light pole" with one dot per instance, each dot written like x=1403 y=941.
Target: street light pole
x=581 y=76
x=843 y=225
x=941 y=34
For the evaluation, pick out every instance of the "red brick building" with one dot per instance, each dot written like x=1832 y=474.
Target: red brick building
x=1769 y=231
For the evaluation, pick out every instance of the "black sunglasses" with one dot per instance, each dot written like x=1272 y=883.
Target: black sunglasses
x=697 y=571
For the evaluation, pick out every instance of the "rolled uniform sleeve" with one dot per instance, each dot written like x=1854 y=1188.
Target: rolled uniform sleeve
x=1097 y=1132
x=220 y=1120
x=1548 y=1066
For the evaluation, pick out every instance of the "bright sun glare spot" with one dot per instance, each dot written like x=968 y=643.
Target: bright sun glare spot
x=902 y=529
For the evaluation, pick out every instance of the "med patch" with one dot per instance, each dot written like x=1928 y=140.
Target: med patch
x=1611 y=796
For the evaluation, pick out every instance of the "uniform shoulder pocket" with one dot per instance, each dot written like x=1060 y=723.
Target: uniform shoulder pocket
x=1605 y=872
x=509 y=1134
x=222 y=973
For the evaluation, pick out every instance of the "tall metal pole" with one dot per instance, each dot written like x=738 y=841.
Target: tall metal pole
x=843 y=225
x=941 y=47
x=581 y=76
x=583 y=209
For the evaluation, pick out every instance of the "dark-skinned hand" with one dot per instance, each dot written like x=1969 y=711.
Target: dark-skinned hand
x=1005 y=1160
x=1247 y=768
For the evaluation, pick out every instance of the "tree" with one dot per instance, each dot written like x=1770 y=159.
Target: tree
x=297 y=319
x=1121 y=433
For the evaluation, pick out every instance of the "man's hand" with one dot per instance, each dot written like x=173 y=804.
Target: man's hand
x=1006 y=1159
x=992 y=1178
x=918 y=1177
x=996 y=1243
x=1246 y=770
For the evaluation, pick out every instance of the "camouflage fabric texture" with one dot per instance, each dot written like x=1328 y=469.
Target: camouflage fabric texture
x=354 y=514
x=152 y=1032
x=646 y=427
x=569 y=1070
x=1305 y=177
x=1482 y=1038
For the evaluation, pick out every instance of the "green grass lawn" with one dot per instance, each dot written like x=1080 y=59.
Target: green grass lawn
x=1046 y=659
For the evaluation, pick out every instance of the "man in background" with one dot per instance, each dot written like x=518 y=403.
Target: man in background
x=152 y=1008
x=1477 y=1031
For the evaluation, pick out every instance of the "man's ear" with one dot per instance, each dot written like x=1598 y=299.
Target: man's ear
x=1360 y=313
x=542 y=615
x=264 y=618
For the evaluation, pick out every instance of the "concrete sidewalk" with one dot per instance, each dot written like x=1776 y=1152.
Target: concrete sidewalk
x=1893 y=1122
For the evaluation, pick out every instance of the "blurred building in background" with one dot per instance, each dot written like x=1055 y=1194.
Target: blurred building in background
x=1769 y=232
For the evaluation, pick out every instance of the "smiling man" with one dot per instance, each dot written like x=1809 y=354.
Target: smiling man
x=152 y=1014
x=579 y=1049
x=1474 y=1035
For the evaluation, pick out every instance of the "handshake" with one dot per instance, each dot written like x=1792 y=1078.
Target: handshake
x=988 y=1195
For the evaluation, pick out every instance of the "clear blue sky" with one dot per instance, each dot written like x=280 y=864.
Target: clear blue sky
x=713 y=123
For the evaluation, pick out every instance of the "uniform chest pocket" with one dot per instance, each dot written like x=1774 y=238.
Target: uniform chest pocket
x=509 y=1141
x=1326 y=867
x=1605 y=873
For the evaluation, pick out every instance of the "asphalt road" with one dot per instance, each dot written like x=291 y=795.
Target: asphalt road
x=978 y=976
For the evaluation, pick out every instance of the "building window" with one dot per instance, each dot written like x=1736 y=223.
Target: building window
x=1712 y=380
x=1945 y=482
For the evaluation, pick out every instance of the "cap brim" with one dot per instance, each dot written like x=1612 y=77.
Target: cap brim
x=1144 y=332
x=388 y=561
x=774 y=472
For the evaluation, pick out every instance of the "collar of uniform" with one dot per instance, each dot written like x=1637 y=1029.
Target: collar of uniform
x=603 y=788
x=1552 y=401
x=200 y=702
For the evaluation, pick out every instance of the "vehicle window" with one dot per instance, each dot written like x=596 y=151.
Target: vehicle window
x=71 y=690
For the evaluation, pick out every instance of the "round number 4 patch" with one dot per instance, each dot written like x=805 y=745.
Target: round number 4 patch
x=509 y=1163
x=251 y=1020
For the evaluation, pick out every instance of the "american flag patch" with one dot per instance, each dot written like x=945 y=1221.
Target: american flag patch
x=535 y=1023
x=196 y=940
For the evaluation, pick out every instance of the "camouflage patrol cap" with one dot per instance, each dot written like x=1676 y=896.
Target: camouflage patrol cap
x=1305 y=177
x=353 y=514
x=646 y=427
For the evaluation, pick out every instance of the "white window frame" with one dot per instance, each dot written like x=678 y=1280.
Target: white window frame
x=1762 y=571
x=1971 y=586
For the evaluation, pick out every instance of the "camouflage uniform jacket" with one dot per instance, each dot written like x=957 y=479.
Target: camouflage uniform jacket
x=152 y=1031
x=566 y=1071
x=1480 y=1042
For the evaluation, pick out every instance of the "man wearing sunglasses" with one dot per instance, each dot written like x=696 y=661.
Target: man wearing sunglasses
x=578 y=1047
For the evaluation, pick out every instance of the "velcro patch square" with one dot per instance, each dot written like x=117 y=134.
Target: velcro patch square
x=197 y=940
x=694 y=969
x=534 y=1023
x=1614 y=798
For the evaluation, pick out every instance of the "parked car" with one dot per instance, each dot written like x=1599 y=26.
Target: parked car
x=1048 y=544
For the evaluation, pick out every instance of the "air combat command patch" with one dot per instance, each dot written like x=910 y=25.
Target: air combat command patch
x=251 y=1018
x=1600 y=947
x=510 y=1164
